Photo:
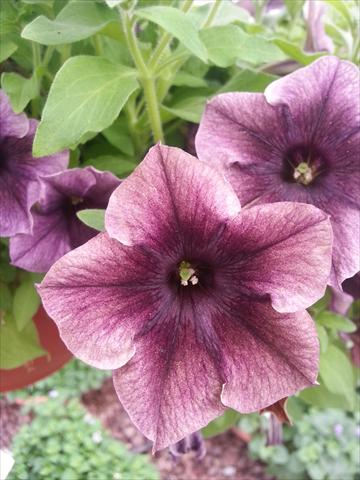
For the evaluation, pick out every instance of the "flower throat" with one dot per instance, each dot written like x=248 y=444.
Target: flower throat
x=303 y=164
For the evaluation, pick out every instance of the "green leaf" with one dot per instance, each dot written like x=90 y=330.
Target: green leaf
x=5 y=298
x=294 y=6
x=177 y=23
x=7 y=48
x=113 y=3
x=247 y=81
x=87 y=95
x=323 y=338
x=189 y=109
x=221 y=424
x=334 y=321
x=295 y=52
x=258 y=50
x=229 y=43
x=120 y=166
x=93 y=217
x=17 y=348
x=19 y=89
x=227 y=13
x=320 y=396
x=343 y=8
x=186 y=79
x=336 y=373
x=118 y=136
x=321 y=304
x=25 y=304
x=223 y=43
x=76 y=21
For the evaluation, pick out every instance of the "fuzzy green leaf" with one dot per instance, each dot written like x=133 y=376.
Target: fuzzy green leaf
x=25 y=304
x=180 y=25
x=87 y=95
x=20 y=90
x=76 y=21
x=93 y=217
x=17 y=348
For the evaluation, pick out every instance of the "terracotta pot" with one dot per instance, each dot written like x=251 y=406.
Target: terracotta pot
x=41 y=367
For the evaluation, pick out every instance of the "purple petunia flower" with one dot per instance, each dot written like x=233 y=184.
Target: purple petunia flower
x=19 y=170
x=299 y=141
x=182 y=296
x=316 y=39
x=250 y=6
x=57 y=228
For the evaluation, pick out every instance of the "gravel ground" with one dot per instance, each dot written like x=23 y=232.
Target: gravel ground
x=226 y=456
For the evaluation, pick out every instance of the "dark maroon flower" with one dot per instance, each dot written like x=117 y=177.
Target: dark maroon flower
x=19 y=170
x=299 y=141
x=57 y=228
x=191 y=443
x=351 y=286
x=196 y=305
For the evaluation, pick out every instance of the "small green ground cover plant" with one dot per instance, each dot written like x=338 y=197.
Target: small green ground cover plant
x=64 y=442
x=323 y=445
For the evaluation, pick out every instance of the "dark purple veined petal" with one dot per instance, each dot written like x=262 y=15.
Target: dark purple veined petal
x=282 y=250
x=183 y=311
x=38 y=251
x=170 y=200
x=100 y=294
x=57 y=229
x=269 y=355
x=20 y=171
x=308 y=119
x=321 y=101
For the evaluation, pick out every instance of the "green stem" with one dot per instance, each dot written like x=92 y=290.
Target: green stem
x=166 y=39
x=212 y=14
x=153 y=109
x=146 y=79
x=36 y=53
x=97 y=45
x=65 y=52
x=178 y=63
x=47 y=56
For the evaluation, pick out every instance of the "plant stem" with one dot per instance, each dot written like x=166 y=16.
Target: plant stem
x=166 y=39
x=212 y=14
x=97 y=45
x=36 y=53
x=146 y=79
x=153 y=109
x=48 y=54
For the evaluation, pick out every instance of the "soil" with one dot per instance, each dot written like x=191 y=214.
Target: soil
x=11 y=419
x=226 y=457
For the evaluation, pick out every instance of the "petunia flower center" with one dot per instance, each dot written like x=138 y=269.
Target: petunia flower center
x=303 y=164
x=187 y=274
x=303 y=173
x=76 y=200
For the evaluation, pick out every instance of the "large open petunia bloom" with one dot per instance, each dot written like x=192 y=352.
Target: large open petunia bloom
x=19 y=170
x=57 y=229
x=299 y=141
x=196 y=305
